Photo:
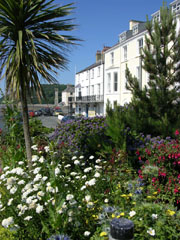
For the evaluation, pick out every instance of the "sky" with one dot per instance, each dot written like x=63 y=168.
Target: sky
x=99 y=23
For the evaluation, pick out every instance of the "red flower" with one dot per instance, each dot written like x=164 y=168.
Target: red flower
x=177 y=132
x=176 y=190
x=0 y=131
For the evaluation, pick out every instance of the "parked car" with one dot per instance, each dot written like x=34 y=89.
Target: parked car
x=31 y=113
x=38 y=113
x=67 y=118
x=57 y=112
x=47 y=111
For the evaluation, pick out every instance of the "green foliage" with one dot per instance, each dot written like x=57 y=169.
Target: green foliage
x=155 y=109
x=6 y=234
x=49 y=94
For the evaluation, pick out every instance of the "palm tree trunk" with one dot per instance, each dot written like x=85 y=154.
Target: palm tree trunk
x=26 y=124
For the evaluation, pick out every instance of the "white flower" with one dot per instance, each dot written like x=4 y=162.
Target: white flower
x=34 y=158
x=13 y=190
x=19 y=171
x=73 y=173
x=6 y=168
x=83 y=187
x=46 y=149
x=84 y=177
x=86 y=170
x=50 y=189
x=27 y=218
x=21 y=163
x=86 y=233
x=98 y=160
x=69 y=197
x=96 y=175
x=21 y=182
x=132 y=213
x=106 y=200
x=11 y=180
x=151 y=232
x=90 y=204
x=34 y=147
x=41 y=160
x=87 y=198
x=81 y=157
x=7 y=222
x=36 y=170
x=44 y=178
x=39 y=208
x=57 y=171
x=92 y=182
x=97 y=167
x=91 y=157
x=67 y=166
x=40 y=194
x=154 y=216
x=73 y=158
x=76 y=162
x=10 y=201
x=37 y=177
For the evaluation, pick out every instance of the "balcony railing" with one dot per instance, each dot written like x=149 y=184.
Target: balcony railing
x=92 y=98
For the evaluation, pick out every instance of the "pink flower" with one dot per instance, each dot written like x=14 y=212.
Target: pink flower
x=176 y=132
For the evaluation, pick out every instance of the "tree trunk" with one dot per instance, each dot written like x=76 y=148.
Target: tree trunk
x=26 y=124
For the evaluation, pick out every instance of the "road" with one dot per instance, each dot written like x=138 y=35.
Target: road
x=49 y=121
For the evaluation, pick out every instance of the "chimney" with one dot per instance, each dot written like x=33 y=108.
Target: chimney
x=98 y=56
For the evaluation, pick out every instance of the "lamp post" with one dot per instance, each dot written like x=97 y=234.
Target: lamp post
x=121 y=229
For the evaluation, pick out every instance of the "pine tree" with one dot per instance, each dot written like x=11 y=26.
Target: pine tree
x=156 y=108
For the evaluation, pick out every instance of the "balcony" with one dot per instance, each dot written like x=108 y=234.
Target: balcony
x=92 y=98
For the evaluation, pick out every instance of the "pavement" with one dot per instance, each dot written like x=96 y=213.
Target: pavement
x=49 y=121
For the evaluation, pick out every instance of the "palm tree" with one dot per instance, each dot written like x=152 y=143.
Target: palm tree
x=32 y=47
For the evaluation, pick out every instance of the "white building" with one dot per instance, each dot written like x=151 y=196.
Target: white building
x=124 y=54
x=68 y=97
x=89 y=88
x=106 y=80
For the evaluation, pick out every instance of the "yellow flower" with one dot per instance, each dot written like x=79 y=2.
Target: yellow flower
x=171 y=213
x=113 y=215
x=134 y=203
x=95 y=216
x=154 y=193
x=123 y=195
x=87 y=221
x=120 y=215
x=149 y=197
x=130 y=194
x=102 y=234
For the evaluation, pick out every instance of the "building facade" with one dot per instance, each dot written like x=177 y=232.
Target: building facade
x=110 y=84
x=68 y=98
x=89 y=88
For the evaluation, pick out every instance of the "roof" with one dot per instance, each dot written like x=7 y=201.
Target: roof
x=91 y=66
x=69 y=89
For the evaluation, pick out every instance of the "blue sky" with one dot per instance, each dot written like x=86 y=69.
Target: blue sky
x=99 y=24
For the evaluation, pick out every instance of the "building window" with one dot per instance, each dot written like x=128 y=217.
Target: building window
x=140 y=45
x=122 y=37
x=115 y=81
x=71 y=93
x=108 y=82
x=87 y=90
x=135 y=29
x=98 y=89
x=87 y=75
x=112 y=58
x=176 y=7
x=138 y=72
x=156 y=16
x=92 y=90
x=125 y=52
x=92 y=73
x=99 y=71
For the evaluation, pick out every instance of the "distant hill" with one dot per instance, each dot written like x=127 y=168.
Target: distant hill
x=49 y=90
